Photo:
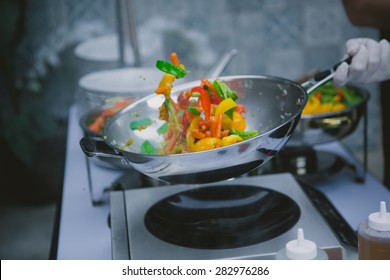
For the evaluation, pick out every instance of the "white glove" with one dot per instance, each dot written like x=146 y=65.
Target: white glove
x=370 y=62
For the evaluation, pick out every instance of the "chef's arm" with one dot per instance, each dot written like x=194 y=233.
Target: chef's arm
x=370 y=59
x=369 y=13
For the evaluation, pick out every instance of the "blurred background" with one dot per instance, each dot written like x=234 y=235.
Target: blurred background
x=48 y=46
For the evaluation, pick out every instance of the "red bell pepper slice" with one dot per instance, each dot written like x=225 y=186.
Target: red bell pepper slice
x=240 y=109
x=214 y=96
x=216 y=126
x=183 y=100
x=205 y=100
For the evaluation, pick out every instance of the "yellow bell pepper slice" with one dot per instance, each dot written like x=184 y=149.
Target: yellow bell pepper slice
x=226 y=122
x=165 y=85
x=225 y=105
x=207 y=143
x=231 y=139
x=239 y=122
x=189 y=137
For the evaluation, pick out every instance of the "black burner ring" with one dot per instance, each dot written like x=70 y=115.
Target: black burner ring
x=222 y=217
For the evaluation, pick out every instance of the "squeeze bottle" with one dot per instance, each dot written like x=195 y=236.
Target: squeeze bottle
x=374 y=235
x=301 y=249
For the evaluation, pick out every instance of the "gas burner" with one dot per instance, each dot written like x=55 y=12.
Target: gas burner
x=249 y=217
x=222 y=217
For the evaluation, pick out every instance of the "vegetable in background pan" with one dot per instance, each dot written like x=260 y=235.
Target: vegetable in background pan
x=329 y=98
x=96 y=122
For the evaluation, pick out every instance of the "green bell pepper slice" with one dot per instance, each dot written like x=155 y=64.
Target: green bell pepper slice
x=169 y=68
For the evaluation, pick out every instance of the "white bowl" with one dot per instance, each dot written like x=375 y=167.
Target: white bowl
x=104 y=87
x=102 y=49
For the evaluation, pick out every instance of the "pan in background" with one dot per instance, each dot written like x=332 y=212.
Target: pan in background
x=101 y=90
x=329 y=126
x=87 y=122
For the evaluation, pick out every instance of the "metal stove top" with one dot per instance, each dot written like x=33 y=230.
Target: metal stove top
x=131 y=238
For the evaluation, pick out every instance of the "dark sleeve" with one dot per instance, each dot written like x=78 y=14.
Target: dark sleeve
x=368 y=13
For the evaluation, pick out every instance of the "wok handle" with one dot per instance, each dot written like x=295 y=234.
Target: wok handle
x=96 y=146
x=323 y=77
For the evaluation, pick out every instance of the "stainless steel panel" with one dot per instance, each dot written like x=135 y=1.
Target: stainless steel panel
x=144 y=245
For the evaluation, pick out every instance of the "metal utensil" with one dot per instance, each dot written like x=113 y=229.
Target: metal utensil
x=222 y=64
x=127 y=32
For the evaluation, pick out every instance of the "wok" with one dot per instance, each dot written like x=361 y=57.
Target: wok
x=325 y=127
x=274 y=106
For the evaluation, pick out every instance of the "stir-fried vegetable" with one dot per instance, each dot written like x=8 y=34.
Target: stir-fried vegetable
x=170 y=68
x=224 y=91
x=140 y=124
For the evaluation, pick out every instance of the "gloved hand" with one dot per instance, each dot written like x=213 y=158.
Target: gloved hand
x=370 y=62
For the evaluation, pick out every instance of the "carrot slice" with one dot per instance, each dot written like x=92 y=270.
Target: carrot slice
x=207 y=83
x=97 y=125
x=197 y=134
x=162 y=90
x=174 y=104
x=171 y=144
x=175 y=59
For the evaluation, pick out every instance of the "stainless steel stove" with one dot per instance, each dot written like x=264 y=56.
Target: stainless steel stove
x=243 y=218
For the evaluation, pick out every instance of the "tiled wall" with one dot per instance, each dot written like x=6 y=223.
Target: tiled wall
x=275 y=37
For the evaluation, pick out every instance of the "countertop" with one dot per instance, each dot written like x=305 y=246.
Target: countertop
x=84 y=233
